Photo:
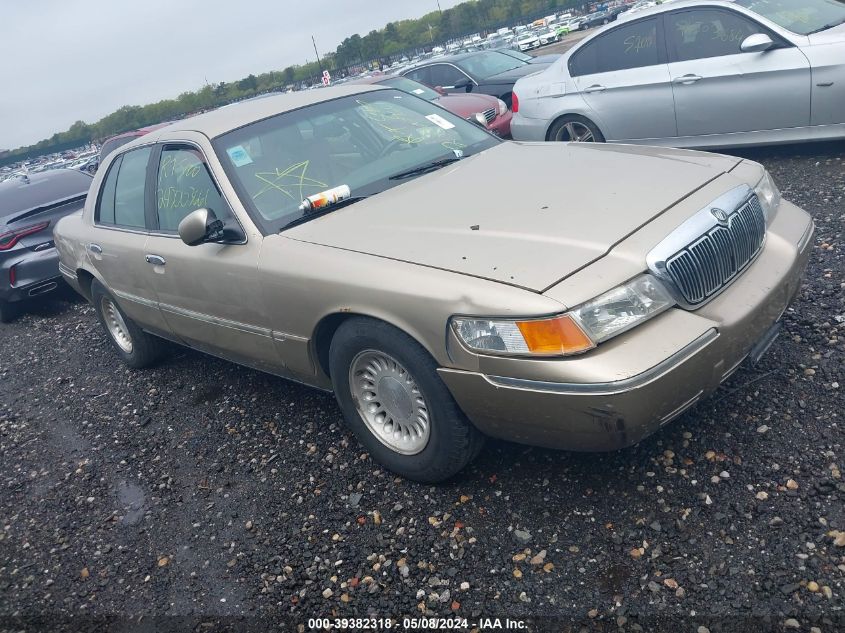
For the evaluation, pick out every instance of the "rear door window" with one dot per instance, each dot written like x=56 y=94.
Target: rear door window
x=122 y=199
x=423 y=75
x=105 y=205
x=632 y=45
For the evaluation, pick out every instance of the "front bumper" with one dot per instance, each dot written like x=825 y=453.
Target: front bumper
x=611 y=413
x=35 y=272
x=501 y=125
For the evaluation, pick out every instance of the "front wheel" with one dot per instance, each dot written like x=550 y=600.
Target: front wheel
x=136 y=348
x=573 y=128
x=393 y=400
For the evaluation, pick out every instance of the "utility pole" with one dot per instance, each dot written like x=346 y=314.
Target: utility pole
x=439 y=9
x=319 y=64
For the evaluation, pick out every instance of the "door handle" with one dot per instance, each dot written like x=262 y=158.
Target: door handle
x=595 y=88
x=155 y=260
x=96 y=249
x=686 y=79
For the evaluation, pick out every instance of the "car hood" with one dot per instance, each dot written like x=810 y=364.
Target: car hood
x=835 y=35
x=466 y=105
x=524 y=214
x=510 y=76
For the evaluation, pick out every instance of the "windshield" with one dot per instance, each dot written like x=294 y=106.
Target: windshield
x=359 y=141
x=488 y=63
x=409 y=85
x=805 y=17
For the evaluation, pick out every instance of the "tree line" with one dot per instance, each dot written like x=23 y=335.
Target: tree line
x=356 y=50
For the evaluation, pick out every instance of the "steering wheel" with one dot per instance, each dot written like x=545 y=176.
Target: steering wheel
x=392 y=146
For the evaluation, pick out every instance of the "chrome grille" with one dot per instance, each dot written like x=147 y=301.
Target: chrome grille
x=489 y=114
x=702 y=268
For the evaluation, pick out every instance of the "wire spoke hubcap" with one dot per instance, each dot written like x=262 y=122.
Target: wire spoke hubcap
x=575 y=132
x=116 y=325
x=389 y=402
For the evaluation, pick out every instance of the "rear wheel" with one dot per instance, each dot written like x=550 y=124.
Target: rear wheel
x=136 y=348
x=573 y=128
x=8 y=311
x=395 y=403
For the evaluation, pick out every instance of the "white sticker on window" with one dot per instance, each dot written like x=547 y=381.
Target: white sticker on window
x=418 y=91
x=239 y=156
x=439 y=121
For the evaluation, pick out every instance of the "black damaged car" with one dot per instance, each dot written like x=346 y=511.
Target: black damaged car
x=30 y=205
x=488 y=72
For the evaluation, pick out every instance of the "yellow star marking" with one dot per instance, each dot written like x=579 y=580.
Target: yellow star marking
x=291 y=177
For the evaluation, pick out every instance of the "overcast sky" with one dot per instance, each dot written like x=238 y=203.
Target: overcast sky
x=66 y=60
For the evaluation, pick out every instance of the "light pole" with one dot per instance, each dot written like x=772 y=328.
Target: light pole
x=319 y=64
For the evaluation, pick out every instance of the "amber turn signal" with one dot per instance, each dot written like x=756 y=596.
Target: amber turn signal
x=559 y=335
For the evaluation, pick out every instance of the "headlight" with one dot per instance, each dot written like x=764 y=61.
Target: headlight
x=503 y=107
x=554 y=336
x=767 y=192
x=480 y=119
x=576 y=331
x=622 y=308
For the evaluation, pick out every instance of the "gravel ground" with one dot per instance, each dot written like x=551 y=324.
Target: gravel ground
x=202 y=489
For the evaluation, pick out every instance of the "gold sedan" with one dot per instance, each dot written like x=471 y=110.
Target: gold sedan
x=446 y=285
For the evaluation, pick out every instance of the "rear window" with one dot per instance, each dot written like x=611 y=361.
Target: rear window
x=629 y=46
x=489 y=63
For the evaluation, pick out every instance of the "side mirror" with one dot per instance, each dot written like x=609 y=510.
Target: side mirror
x=200 y=225
x=756 y=43
x=464 y=83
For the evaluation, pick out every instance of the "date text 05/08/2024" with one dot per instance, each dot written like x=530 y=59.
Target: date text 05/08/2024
x=431 y=624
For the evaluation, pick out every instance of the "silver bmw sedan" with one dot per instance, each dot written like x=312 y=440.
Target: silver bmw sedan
x=696 y=73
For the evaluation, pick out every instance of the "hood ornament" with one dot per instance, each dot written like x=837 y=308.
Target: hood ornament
x=720 y=215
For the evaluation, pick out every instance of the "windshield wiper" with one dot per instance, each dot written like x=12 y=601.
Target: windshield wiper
x=424 y=169
x=827 y=26
x=311 y=215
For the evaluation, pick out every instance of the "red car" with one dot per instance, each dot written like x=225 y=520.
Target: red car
x=487 y=110
x=111 y=144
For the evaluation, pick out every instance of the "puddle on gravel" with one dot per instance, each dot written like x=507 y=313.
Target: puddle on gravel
x=132 y=499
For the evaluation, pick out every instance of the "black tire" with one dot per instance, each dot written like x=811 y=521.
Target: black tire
x=8 y=311
x=453 y=441
x=558 y=129
x=145 y=350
